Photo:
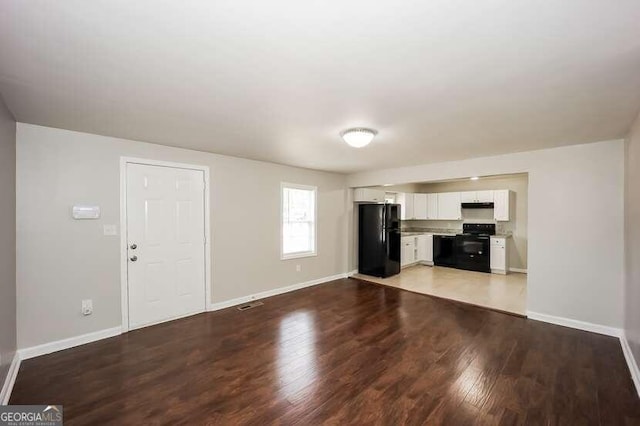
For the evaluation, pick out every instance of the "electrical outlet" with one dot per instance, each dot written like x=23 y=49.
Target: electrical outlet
x=298 y=268
x=87 y=307
x=109 y=230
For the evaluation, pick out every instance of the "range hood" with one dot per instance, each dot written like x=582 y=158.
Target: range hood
x=477 y=205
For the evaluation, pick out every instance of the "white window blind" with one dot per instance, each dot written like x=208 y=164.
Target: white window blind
x=298 y=221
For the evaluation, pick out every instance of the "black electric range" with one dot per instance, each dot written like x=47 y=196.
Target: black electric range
x=472 y=247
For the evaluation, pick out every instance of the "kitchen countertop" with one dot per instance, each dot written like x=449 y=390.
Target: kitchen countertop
x=412 y=233
x=448 y=232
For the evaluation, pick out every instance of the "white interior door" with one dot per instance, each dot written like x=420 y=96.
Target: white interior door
x=166 y=243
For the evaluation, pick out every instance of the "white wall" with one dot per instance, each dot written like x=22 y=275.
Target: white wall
x=62 y=261
x=632 y=241
x=575 y=251
x=7 y=239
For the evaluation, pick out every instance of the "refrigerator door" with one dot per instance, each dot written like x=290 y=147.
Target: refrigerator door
x=371 y=239
x=392 y=253
x=392 y=216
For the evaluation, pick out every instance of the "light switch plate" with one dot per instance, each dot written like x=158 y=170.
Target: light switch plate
x=85 y=212
x=87 y=307
x=110 y=230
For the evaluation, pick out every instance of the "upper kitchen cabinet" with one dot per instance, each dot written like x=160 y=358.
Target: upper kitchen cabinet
x=368 y=195
x=420 y=206
x=501 y=207
x=484 y=196
x=468 y=197
x=449 y=206
x=406 y=205
x=432 y=206
x=476 y=197
x=414 y=206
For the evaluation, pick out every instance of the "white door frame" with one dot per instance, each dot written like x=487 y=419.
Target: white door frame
x=124 y=282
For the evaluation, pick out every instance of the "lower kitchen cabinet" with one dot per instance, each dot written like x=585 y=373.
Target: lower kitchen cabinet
x=417 y=249
x=424 y=249
x=408 y=252
x=499 y=255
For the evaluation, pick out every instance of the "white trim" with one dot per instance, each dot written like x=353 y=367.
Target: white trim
x=10 y=380
x=352 y=273
x=172 y=318
x=518 y=270
x=299 y=255
x=571 y=323
x=71 y=342
x=124 y=289
x=631 y=362
x=274 y=292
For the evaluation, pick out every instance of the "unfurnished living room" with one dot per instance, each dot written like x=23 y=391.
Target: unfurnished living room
x=319 y=212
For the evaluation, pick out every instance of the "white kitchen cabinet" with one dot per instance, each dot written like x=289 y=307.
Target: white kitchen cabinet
x=424 y=249
x=432 y=206
x=420 y=206
x=449 y=206
x=468 y=197
x=420 y=242
x=414 y=206
x=368 y=195
x=401 y=198
x=476 y=197
x=501 y=207
x=408 y=252
x=484 y=196
x=498 y=254
x=406 y=202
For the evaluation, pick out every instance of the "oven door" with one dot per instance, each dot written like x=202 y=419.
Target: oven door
x=472 y=253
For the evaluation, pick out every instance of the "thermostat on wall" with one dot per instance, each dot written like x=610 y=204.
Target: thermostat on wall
x=86 y=212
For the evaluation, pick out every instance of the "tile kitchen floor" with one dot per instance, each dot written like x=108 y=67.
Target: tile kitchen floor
x=500 y=292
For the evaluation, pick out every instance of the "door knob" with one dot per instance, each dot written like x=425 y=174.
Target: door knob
x=133 y=246
x=133 y=258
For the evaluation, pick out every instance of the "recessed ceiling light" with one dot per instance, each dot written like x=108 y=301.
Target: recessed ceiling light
x=475 y=178
x=358 y=137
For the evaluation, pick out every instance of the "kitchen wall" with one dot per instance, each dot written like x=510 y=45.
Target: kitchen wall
x=62 y=261
x=575 y=223
x=518 y=184
x=632 y=241
x=7 y=239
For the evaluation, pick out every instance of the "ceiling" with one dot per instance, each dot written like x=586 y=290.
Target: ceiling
x=278 y=80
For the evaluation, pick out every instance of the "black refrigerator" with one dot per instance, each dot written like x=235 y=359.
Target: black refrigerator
x=379 y=239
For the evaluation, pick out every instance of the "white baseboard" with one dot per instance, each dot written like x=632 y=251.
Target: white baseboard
x=571 y=323
x=240 y=300
x=352 y=273
x=631 y=362
x=518 y=270
x=71 y=342
x=9 y=381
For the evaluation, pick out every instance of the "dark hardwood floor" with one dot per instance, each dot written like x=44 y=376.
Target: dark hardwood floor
x=345 y=352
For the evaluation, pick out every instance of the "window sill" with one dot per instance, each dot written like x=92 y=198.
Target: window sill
x=297 y=255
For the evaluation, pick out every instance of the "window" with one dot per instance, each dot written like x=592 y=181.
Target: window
x=298 y=221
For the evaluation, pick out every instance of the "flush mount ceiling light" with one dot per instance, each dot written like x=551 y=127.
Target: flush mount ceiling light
x=475 y=178
x=358 y=137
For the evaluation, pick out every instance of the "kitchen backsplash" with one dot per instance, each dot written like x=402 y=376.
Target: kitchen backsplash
x=453 y=226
